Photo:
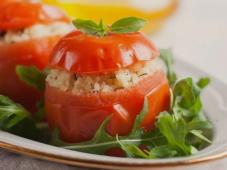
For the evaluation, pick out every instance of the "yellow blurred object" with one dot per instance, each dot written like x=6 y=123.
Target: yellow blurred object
x=156 y=11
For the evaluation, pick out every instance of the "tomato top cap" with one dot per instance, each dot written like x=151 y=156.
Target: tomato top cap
x=19 y=15
x=97 y=48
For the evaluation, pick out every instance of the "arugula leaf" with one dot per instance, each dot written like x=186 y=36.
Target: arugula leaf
x=32 y=76
x=15 y=119
x=168 y=58
x=40 y=114
x=200 y=135
x=178 y=135
x=203 y=82
x=137 y=130
x=124 y=25
x=127 y=25
x=175 y=131
x=186 y=99
x=132 y=150
x=163 y=151
x=11 y=113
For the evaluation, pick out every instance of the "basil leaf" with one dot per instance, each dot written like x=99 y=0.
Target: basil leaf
x=90 y=27
x=32 y=76
x=168 y=58
x=127 y=25
x=124 y=25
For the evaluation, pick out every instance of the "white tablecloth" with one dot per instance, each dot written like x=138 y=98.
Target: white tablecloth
x=198 y=34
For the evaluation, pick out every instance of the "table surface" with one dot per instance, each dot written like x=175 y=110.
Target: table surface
x=197 y=34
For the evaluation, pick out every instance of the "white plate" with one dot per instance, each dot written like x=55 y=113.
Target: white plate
x=215 y=101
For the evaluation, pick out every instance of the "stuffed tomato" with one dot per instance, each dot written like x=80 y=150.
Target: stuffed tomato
x=28 y=33
x=94 y=77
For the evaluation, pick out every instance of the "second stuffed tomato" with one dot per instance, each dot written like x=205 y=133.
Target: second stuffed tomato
x=28 y=33
x=94 y=77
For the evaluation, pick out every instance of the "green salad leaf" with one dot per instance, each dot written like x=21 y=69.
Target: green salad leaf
x=40 y=113
x=168 y=58
x=203 y=82
x=184 y=129
x=15 y=119
x=124 y=25
x=175 y=131
x=32 y=76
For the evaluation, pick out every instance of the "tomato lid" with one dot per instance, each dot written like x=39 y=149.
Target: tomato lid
x=82 y=53
x=19 y=15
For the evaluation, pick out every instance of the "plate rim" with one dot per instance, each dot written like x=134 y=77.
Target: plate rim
x=102 y=164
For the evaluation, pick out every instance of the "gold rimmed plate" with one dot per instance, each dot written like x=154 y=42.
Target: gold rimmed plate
x=214 y=99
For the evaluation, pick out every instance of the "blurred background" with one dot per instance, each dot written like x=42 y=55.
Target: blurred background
x=155 y=11
x=194 y=29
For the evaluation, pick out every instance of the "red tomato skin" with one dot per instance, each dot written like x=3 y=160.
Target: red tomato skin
x=79 y=116
x=17 y=15
x=4 y=2
x=34 y=52
x=88 y=54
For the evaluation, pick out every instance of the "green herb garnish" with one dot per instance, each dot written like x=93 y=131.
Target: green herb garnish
x=168 y=58
x=124 y=25
x=15 y=119
x=32 y=76
x=127 y=25
x=183 y=129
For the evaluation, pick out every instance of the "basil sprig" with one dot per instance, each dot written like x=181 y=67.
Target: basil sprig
x=124 y=25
